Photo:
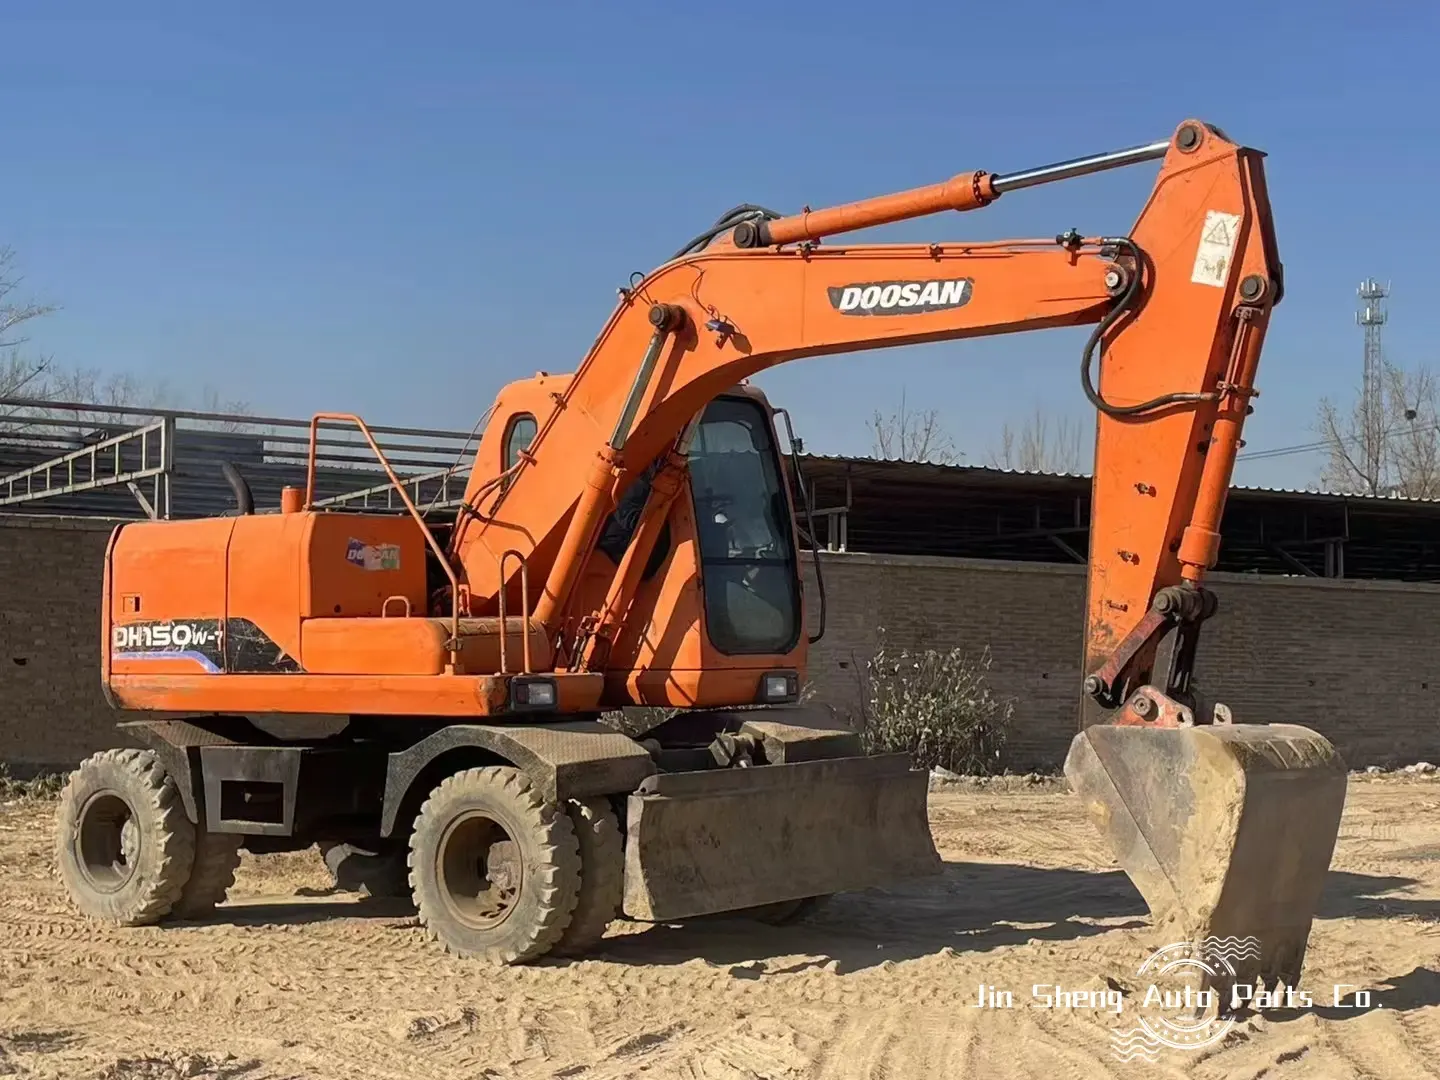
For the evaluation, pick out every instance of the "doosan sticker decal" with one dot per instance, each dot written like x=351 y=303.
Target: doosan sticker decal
x=373 y=556
x=899 y=297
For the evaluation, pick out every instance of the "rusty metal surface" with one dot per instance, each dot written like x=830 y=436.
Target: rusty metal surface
x=705 y=842
x=1103 y=684
x=1148 y=707
x=1227 y=830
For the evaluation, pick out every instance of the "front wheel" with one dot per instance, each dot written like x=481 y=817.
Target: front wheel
x=494 y=867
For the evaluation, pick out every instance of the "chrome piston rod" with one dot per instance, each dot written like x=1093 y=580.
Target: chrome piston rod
x=1082 y=166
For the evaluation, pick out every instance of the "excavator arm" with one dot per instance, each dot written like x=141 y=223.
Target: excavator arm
x=1179 y=307
x=1227 y=829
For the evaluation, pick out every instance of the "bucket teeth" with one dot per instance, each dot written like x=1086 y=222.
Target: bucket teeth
x=1226 y=830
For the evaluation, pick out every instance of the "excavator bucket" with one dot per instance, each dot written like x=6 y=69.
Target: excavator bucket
x=699 y=843
x=1227 y=830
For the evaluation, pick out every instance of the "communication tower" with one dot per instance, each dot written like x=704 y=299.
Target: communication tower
x=1370 y=314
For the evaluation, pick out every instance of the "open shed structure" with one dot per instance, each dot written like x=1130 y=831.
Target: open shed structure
x=914 y=508
x=105 y=461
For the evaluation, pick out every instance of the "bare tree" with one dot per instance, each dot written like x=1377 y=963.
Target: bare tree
x=90 y=386
x=1415 y=446
x=40 y=378
x=212 y=401
x=1040 y=445
x=1387 y=444
x=19 y=371
x=912 y=436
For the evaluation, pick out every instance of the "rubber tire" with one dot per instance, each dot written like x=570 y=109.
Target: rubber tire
x=166 y=838
x=380 y=874
x=217 y=857
x=549 y=853
x=602 y=875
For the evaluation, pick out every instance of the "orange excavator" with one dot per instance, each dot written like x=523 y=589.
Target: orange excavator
x=627 y=538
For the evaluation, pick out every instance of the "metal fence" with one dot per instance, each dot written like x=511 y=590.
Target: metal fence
x=120 y=461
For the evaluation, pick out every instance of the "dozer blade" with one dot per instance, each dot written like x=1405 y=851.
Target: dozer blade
x=1227 y=830
x=698 y=843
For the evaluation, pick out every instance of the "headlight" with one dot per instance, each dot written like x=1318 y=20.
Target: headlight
x=532 y=694
x=779 y=686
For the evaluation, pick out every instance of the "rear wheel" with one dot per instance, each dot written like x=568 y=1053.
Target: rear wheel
x=217 y=857
x=124 y=847
x=602 y=874
x=494 y=867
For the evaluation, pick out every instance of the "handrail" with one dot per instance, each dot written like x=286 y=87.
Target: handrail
x=191 y=414
x=454 y=643
x=362 y=495
x=524 y=612
x=118 y=453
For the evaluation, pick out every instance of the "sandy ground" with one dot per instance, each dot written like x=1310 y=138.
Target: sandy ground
x=879 y=985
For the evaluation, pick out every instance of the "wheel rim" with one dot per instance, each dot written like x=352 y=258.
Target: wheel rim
x=479 y=870
x=108 y=844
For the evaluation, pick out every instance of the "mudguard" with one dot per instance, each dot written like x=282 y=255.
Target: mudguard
x=574 y=759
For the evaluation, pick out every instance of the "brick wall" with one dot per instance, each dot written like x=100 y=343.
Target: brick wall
x=1358 y=661
x=51 y=709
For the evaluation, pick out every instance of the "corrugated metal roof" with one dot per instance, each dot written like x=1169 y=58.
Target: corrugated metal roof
x=992 y=473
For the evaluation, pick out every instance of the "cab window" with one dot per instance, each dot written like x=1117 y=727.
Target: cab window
x=518 y=437
x=747 y=554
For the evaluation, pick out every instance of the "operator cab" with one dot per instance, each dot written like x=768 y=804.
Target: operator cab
x=746 y=536
x=743 y=528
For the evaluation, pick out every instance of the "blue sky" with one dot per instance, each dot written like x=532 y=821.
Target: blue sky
x=396 y=209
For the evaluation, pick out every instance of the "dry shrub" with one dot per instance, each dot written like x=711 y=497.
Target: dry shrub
x=43 y=786
x=937 y=705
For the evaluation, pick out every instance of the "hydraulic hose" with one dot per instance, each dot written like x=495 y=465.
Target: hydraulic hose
x=1121 y=308
x=727 y=220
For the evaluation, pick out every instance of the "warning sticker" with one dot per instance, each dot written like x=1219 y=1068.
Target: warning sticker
x=1217 y=248
x=373 y=556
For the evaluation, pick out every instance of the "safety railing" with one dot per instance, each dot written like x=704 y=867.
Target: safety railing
x=349 y=418
x=73 y=455
x=449 y=493
x=524 y=612
x=127 y=458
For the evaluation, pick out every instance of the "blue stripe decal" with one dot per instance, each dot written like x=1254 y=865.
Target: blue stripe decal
x=188 y=654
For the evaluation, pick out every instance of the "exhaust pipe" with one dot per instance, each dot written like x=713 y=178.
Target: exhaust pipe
x=244 y=500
